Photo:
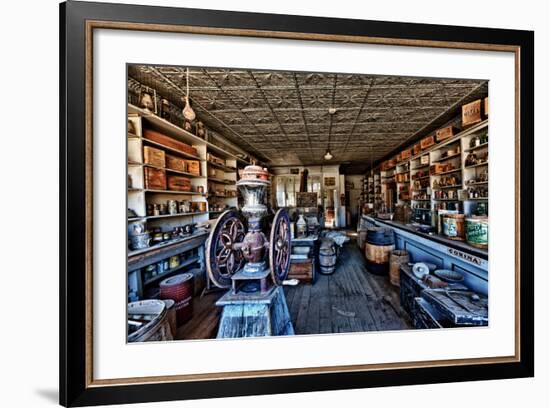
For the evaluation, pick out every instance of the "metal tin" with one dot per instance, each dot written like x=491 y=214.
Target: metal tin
x=477 y=231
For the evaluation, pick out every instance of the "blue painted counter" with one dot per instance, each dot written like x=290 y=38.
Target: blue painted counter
x=446 y=254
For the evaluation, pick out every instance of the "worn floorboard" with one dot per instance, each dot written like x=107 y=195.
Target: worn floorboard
x=350 y=300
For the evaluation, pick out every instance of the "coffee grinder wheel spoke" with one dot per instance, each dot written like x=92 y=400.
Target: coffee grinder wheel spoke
x=279 y=247
x=223 y=258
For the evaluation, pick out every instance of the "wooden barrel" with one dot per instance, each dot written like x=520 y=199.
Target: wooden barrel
x=397 y=258
x=179 y=288
x=453 y=226
x=378 y=257
x=327 y=257
x=380 y=236
x=361 y=238
x=147 y=321
x=477 y=231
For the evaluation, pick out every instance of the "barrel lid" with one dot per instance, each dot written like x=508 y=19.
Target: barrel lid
x=177 y=279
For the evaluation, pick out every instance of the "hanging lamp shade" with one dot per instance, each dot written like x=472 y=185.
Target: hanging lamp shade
x=188 y=112
x=328 y=155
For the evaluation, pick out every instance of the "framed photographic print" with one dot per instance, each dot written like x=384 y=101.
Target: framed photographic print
x=193 y=267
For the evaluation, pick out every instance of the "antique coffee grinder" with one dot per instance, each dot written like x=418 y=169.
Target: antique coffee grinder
x=239 y=256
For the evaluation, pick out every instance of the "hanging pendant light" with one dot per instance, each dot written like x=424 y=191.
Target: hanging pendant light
x=188 y=112
x=328 y=155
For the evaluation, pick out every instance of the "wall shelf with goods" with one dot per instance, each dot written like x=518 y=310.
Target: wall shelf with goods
x=450 y=174
x=176 y=181
x=403 y=181
x=222 y=175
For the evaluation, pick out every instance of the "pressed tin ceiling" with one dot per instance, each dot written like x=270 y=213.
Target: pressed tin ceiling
x=283 y=117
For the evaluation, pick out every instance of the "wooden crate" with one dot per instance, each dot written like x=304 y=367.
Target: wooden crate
x=445 y=133
x=178 y=183
x=193 y=167
x=169 y=142
x=425 y=160
x=175 y=163
x=417 y=149
x=303 y=271
x=155 y=179
x=472 y=113
x=427 y=142
x=215 y=159
x=406 y=154
x=153 y=156
x=438 y=168
x=486 y=106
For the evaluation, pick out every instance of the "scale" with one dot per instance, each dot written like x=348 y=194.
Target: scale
x=251 y=266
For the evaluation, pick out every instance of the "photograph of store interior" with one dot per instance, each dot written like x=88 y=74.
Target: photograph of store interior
x=266 y=203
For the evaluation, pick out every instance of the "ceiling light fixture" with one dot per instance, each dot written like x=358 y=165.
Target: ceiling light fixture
x=328 y=155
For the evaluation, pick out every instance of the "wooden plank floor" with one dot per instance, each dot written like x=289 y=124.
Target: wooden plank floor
x=350 y=300
x=205 y=320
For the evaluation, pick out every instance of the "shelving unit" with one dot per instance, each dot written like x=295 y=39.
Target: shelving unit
x=402 y=176
x=427 y=196
x=213 y=175
x=217 y=170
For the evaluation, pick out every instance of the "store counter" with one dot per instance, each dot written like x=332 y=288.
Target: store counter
x=445 y=253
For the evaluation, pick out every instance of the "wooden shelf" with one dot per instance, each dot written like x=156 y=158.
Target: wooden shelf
x=481 y=146
x=447 y=187
x=227 y=169
x=454 y=156
x=446 y=199
x=477 y=199
x=220 y=181
x=186 y=263
x=219 y=196
x=167 y=127
x=171 y=149
x=447 y=172
x=421 y=178
x=477 y=183
x=486 y=163
x=154 y=217
x=166 y=245
x=168 y=170
x=153 y=191
x=454 y=139
x=421 y=167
